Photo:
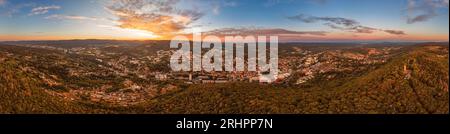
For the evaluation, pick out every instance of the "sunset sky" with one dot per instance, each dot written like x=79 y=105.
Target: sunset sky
x=291 y=20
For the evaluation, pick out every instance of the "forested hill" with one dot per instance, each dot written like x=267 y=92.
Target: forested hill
x=23 y=93
x=416 y=82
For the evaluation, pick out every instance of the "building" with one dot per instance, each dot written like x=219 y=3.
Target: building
x=161 y=76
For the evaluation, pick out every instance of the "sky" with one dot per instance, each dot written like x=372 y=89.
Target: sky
x=291 y=20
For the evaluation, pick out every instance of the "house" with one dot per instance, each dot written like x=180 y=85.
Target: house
x=161 y=76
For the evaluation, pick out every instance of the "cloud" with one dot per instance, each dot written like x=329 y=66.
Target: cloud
x=13 y=9
x=43 y=10
x=161 y=17
x=423 y=10
x=216 y=10
x=340 y=23
x=330 y=20
x=363 y=29
x=395 y=32
x=261 y=31
x=2 y=2
x=71 y=17
x=217 y=5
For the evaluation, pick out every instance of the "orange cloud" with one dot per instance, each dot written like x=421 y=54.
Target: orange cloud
x=160 y=25
x=159 y=17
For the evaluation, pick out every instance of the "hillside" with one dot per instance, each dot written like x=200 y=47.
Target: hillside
x=22 y=93
x=413 y=82
x=421 y=88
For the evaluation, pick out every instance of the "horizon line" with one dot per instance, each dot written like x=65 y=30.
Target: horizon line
x=317 y=41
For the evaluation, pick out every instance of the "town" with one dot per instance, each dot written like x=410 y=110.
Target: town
x=134 y=75
x=127 y=74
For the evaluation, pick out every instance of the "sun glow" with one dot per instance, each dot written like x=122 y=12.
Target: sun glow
x=136 y=33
